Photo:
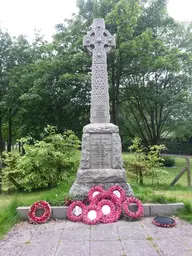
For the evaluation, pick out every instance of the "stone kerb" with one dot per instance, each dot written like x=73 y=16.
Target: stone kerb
x=60 y=212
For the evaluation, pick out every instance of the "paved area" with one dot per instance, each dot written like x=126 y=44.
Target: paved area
x=65 y=238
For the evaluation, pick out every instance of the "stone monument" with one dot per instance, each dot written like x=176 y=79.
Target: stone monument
x=101 y=160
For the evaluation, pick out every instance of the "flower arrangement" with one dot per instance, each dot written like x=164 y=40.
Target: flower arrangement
x=91 y=214
x=110 y=197
x=107 y=211
x=118 y=191
x=99 y=206
x=39 y=205
x=95 y=191
x=133 y=215
x=75 y=210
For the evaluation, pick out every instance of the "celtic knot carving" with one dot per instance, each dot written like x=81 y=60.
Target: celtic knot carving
x=99 y=42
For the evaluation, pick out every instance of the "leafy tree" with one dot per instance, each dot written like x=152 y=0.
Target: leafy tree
x=145 y=162
x=45 y=164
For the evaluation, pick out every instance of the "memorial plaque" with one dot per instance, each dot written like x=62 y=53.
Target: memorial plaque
x=100 y=151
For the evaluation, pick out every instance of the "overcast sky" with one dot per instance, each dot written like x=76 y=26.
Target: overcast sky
x=23 y=16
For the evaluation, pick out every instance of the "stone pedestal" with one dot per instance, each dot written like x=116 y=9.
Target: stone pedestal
x=101 y=160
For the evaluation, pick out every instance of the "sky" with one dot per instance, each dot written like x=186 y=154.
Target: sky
x=23 y=16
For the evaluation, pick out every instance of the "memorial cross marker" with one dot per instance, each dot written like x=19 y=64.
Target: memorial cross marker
x=99 y=42
x=101 y=160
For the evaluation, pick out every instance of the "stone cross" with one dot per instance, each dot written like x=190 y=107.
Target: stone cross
x=99 y=42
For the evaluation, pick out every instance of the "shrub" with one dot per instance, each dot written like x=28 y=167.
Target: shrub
x=145 y=162
x=168 y=161
x=45 y=164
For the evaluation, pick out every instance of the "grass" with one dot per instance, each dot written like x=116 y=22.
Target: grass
x=9 y=202
x=161 y=193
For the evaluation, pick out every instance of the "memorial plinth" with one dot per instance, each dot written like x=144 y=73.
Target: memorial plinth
x=101 y=159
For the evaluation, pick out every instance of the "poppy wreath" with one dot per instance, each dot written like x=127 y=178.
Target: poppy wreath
x=111 y=216
x=133 y=215
x=110 y=197
x=120 y=190
x=163 y=221
x=87 y=210
x=39 y=205
x=95 y=191
x=70 y=215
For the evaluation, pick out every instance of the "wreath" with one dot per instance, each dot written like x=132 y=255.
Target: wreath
x=95 y=191
x=75 y=210
x=133 y=215
x=163 y=221
x=108 y=211
x=91 y=214
x=39 y=205
x=119 y=192
x=110 y=197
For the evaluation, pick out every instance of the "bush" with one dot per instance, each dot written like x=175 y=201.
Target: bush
x=168 y=161
x=145 y=162
x=45 y=164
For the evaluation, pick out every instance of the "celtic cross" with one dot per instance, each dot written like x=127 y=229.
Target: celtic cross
x=99 y=42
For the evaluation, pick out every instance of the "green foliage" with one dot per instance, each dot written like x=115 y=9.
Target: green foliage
x=168 y=161
x=45 y=163
x=145 y=162
x=8 y=217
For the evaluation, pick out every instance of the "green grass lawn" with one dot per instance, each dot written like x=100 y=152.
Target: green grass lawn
x=161 y=193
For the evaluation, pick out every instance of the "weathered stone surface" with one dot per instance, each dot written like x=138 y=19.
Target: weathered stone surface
x=101 y=176
x=168 y=209
x=101 y=128
x=101 y=159
x=99 y=42
x=101 y=148
x=81 y=189
x=116 y=148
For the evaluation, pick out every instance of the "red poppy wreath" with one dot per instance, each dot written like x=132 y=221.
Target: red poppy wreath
x=39 y=205
x=95 y=191
x=119 y=192
x=133 y=215
x=108 y=212
x=110 y=197
x=91 y=214
x=75 y=210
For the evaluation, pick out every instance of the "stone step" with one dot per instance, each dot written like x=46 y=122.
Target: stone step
x=59 y=212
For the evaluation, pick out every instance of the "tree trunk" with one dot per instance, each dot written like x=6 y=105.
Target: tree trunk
x=140 y=176
x=9 y=131
x=1 y=150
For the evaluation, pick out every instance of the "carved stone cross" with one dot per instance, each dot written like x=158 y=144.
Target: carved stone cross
x=99 y=42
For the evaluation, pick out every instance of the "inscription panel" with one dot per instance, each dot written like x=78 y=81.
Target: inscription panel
x=100 y=151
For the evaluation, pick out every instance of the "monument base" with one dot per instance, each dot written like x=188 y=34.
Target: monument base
x=80 y=190
x=101 y=160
